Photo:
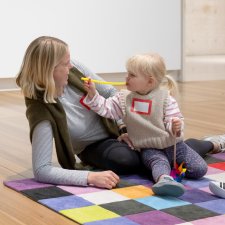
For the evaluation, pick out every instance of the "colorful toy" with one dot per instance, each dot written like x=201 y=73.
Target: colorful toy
x=178 y=172
x=103 y=82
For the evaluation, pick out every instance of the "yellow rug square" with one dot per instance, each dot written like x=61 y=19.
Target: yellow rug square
x=89 y=214
x=138 y=191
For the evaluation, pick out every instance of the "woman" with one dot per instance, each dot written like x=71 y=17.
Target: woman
x=53 y=92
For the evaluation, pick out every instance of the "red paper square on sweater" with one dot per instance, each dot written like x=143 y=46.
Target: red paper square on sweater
x=141 y=106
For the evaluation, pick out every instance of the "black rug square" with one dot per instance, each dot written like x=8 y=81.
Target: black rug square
x=190 y=212
x=127 y=207
x=44 y=193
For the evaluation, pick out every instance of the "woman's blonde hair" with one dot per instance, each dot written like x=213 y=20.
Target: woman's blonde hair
x=152 y=65
x=36 y=72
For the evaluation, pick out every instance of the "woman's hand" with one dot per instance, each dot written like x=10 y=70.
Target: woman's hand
x=105 y=179
x=176 y=126
x=89 y=86
x=125 y=138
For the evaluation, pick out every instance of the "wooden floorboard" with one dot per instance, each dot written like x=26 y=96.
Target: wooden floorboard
x=203 y=107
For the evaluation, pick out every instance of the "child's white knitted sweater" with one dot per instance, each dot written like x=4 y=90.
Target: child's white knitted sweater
x=148 y=117
x=144 y=117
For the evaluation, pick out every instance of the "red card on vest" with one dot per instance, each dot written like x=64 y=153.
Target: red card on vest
x=82 y=102
x=141 y=106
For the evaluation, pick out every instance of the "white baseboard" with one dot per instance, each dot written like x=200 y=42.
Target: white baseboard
x=8 y=84
x=202 y=68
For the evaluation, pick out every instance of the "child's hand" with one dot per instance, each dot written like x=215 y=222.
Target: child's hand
x=176 y=126
x=89 y=86
x=125 y=138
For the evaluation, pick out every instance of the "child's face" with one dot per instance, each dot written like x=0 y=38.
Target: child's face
x=139 y=83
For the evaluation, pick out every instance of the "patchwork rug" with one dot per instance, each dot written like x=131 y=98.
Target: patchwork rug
x=133 y=201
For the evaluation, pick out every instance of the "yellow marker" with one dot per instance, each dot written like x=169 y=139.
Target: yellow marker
x=103 y=82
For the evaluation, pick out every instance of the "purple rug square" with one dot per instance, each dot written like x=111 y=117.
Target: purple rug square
x=114 y=221
x=67 y=202
x=195 y=196
x=187 y=187
x=205 y=189
x=79 y=190
x=155 y=217
x=220 y=156
x=216 y=220
x=25 y=184
x=203 y=182
x=217 y=206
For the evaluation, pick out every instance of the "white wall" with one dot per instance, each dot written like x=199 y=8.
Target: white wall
x=101 y=33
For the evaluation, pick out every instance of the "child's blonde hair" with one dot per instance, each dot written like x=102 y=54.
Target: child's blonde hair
x=152 y=65
x=36 y=72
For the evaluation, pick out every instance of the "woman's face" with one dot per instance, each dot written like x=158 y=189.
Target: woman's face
x=61 y=72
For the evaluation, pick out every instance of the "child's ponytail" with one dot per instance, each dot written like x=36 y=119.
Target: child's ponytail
x=171 y=85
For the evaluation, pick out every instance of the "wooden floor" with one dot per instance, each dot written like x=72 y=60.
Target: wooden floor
x=202 y=104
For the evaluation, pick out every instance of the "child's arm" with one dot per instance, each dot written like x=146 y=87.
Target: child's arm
x=109 y=108
x=173 y=118
x=177 y=126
